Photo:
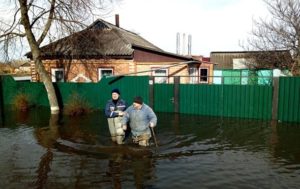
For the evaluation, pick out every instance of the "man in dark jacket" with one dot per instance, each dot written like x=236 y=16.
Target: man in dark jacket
x=114 y=111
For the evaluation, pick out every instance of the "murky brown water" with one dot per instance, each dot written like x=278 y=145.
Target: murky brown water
x=37 y=151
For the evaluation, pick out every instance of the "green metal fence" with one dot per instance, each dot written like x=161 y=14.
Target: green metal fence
x=289 y=99
x=244 y=101
x=164 y=97
x=95 y=94
x=228 y=100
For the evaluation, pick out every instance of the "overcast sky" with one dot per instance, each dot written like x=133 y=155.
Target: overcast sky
x=215 y=25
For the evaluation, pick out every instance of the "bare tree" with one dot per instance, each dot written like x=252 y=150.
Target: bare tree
x=280 y=33
x=42 y=21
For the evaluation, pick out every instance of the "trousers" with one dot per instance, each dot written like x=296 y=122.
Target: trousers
x=115 y=129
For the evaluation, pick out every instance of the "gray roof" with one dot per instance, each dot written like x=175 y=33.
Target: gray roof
x=99 y=39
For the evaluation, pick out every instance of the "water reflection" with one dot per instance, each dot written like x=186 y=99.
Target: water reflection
x=46 y=137
x=67 y=152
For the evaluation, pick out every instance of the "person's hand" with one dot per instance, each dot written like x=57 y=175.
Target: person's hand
x=120 y=113
x=124 y=127
x=151 y=124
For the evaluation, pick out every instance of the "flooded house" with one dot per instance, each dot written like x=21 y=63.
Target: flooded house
x=104 y=49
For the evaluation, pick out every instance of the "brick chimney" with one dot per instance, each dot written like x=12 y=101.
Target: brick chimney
x=117 y=20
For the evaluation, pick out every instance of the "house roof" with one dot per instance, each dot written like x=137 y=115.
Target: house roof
x=99 y=39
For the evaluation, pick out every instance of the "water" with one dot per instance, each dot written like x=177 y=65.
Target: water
x=39 y=151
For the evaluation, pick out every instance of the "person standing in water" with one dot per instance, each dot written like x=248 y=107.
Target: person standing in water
x=140 y=117
x=114 y=110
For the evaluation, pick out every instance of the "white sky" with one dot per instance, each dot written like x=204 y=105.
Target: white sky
x=215 y=25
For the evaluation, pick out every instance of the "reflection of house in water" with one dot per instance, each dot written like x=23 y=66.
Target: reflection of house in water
x=104 y=49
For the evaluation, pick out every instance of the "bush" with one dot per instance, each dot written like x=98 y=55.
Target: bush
x=76 y=105
x=21 y=102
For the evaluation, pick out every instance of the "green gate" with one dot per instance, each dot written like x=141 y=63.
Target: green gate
x=164 y=97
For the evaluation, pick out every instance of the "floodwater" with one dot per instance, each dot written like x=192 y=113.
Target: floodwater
x=39 y=151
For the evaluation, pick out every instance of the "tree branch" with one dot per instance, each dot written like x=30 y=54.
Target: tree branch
x=48 y=24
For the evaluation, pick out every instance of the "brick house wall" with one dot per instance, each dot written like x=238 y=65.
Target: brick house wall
x=84 y=70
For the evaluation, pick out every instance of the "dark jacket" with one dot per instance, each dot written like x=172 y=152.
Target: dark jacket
x=119 y=106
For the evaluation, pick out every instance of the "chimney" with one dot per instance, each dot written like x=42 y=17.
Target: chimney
x=189 y=45
x=117 y=20
x=183 y=44
x=178 y=43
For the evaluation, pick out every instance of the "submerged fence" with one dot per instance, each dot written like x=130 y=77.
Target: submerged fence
x=278 y=99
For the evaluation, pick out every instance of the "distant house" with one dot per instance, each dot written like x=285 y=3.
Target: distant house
x=104 y=49
x=19 y=70
x=234 y=66
x=21 y=67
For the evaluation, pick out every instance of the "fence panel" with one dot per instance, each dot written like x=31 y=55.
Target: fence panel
x=289 y=99
x=1 y=103
x=247 y=101
x=244 y=101
x=164 y=97
x=201 y=99
x=96 y=94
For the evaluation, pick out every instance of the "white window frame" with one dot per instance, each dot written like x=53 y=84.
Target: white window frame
x=201 y=77
x=53 y=72
x=163 y=78
x=104 y=69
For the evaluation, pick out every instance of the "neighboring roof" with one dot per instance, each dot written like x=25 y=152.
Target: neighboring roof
x=99 y=39
x=224 y=59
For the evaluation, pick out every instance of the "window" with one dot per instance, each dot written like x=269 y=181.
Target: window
x=203 y=75
x=57 y=75
x=193 y=73
x=102 y=72
x=160 y=76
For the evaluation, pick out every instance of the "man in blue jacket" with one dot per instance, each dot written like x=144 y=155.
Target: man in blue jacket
x=114 y=111
x=140 y=117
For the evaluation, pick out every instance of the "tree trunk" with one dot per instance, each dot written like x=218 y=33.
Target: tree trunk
x=36 y=55
x=48 y=85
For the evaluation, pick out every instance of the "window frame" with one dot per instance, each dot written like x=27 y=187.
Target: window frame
x=160 y=79
x=101 y=69
x=202 y=77
x=53 y=74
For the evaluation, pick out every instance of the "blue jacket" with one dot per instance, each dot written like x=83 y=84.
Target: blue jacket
x=119 y=106
x=139 y=120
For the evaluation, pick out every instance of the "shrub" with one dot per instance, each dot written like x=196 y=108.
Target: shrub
x=76 y=105
x=21 y=102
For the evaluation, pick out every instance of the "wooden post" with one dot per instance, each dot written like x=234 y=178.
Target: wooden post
x=151 y=92
x=275 y=98
x=176 y=93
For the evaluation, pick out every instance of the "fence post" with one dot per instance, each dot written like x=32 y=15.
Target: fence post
x=176 y=93
x=1 y=103
x=151 y=91
x=275 y=98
